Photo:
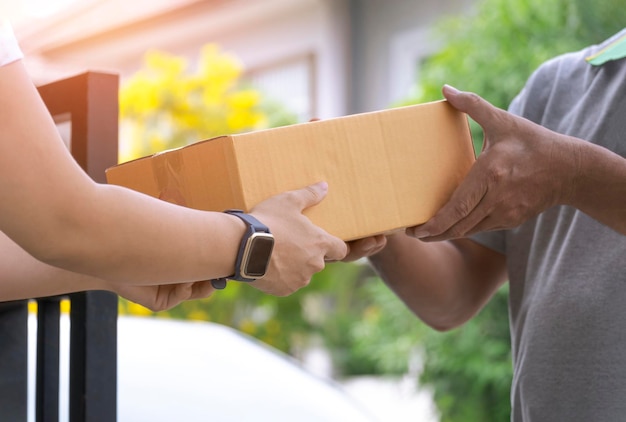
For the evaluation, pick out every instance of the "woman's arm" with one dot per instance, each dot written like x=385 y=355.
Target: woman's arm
x=23 y=277
x=57 y=214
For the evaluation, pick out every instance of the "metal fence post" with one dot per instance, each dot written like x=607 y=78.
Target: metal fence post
x=13 y=360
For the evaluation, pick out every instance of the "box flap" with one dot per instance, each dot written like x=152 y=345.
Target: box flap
x=211 y=179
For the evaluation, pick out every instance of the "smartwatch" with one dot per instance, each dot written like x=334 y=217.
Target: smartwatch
x=254 y=253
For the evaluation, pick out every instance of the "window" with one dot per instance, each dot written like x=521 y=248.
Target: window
x=291 y=83
x=408 y=51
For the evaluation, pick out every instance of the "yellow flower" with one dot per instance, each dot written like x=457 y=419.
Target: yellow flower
x=241 y=120
x=273 y=327
x=248 y=326
x=137 y=309
x=243 y=99
x=199 y=315
x=165 y=106
x=218 y=69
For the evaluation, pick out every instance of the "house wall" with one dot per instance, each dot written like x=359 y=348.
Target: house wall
x=263 y=34
x=389 y=40
x=324 y=58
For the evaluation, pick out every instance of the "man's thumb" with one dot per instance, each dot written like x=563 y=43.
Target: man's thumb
x=472 y=104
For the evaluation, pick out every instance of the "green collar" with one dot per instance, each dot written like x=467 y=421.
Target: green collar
x=614 y=51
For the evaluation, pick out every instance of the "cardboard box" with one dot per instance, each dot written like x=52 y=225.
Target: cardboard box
x=386 y=170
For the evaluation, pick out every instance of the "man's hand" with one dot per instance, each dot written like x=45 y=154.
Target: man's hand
x=523 y=169
x=366 y=247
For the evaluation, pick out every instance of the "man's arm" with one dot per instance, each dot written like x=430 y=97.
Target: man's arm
x=599 y=188
x=523 y=170
x=443 y=283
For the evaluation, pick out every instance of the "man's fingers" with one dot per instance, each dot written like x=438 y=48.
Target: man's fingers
x=365 y=247
x=337 y=249
x=462 y=203
x=476 y=222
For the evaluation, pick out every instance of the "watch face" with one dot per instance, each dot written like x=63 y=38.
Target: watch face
x=257 y=255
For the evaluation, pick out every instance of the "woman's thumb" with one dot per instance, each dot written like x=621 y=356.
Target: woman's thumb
x=312 y=194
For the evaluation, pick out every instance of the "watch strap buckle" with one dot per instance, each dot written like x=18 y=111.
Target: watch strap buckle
x=219 y=283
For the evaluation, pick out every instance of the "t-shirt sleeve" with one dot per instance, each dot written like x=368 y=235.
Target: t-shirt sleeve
x=9 y=48
x=494 y=240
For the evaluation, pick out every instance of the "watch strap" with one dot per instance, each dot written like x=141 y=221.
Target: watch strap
x=252 y=226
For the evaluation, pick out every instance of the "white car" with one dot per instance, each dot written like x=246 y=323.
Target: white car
x=188 y=371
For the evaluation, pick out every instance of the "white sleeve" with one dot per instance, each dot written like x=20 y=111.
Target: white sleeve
x=9 y=49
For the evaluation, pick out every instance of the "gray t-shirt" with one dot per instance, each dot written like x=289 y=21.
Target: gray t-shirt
x=567 y=272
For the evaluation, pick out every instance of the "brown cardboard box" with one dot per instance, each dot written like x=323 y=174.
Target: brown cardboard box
x=386 y=170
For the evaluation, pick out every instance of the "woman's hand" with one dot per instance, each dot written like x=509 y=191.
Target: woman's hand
x=164 y=297
x=301 y=248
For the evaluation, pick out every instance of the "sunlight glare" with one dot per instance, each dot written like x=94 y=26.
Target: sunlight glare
x=42 y=8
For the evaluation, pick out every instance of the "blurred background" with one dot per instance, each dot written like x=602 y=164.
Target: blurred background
x=195 y=69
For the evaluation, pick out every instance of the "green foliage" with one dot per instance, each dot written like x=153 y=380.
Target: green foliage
x=341 y=300
x=389 y=333
x=493 y=50
x=469 y=368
